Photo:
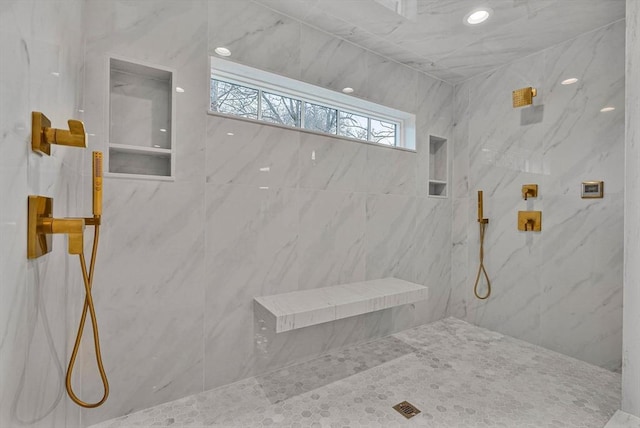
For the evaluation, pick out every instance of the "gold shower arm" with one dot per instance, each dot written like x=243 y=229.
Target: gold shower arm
x=43 y=135
x=74 y=137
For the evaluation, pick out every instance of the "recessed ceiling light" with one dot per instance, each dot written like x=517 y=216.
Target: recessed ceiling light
x=222 y=51
x=163 y=130
x=347 y=90
x=477 y=16
x=230 y=134
x=569 y=81
x=606 y=109
x=179 y=89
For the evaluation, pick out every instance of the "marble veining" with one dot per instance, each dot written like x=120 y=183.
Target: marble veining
x=299 y=309
x=459 y=375
x=560 y=288
x=456 y=51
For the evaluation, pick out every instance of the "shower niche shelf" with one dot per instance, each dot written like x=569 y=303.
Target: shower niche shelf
x=297 y=309
x=141 y=120
x=438 y=167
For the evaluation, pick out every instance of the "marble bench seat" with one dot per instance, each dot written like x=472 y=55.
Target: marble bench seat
x=298 y=309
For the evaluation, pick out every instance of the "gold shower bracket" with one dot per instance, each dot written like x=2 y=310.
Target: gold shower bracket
x=43 y=135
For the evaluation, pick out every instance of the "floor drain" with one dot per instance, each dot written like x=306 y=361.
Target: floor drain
x=406 y=409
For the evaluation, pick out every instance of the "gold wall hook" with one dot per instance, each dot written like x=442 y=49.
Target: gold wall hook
x=529 y=191
x=43 y=135
x=41 y=225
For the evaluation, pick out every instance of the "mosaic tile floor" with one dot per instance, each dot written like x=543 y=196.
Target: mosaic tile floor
x=457 y=374
x=623 y=420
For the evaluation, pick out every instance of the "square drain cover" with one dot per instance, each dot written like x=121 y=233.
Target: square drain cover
x=406 y=409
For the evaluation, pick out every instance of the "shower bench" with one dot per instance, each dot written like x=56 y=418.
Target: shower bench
x=289 y=311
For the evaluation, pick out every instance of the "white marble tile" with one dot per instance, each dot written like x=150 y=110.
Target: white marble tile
x=433 y=262
x=398 y=92
x=505 y=153
x=390 y=236
x=623 y=420
x=251 y=250
x=294 y=9
x=290 y=311
x=461 y=282
x=455 y=51
x=460 y=162
x=434 y=109
x=556 y=143
x=512 y=260
x=255 y=154
x=40 y=60
x=502 y=156
x=515 y=41
x=256 y=36
x=150 y=262
x=631 y=315
x=580 y=141
x=327 y=163
x=581 y=273
x=332 y=238
x=330 y=62
x=390 y=171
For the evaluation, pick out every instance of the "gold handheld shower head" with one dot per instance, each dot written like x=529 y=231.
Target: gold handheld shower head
x=97 y=183
x=523 y=97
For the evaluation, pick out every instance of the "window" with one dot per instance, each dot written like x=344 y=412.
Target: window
x=255 y=94
x=234 y=99
x=320 y=118
x=280 y=109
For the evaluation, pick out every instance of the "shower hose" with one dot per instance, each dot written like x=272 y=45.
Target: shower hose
x=88 y=305
x=481 y=269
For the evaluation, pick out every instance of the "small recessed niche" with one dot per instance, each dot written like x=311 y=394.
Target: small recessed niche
x=141 y=118
x=438 y=167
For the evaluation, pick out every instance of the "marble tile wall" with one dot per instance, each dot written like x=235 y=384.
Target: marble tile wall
x=180 y=261
x=263 y=211
x=41 y=57
x=631 y=317
x=562 y=287
x=150 y=279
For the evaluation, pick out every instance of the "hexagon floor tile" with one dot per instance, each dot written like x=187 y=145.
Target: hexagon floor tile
x=457 y=374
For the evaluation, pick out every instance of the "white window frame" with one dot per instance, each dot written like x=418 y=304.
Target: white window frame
x=239 y=74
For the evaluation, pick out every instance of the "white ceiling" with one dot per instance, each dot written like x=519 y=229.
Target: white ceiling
x=431 y=35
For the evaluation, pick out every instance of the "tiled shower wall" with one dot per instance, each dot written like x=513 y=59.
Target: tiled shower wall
x=631 y=352
x=181 y=261
x=561 y=287
x=41 y=56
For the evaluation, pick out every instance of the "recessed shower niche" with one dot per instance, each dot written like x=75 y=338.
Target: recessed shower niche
x=141 y=119
x=438 y=167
